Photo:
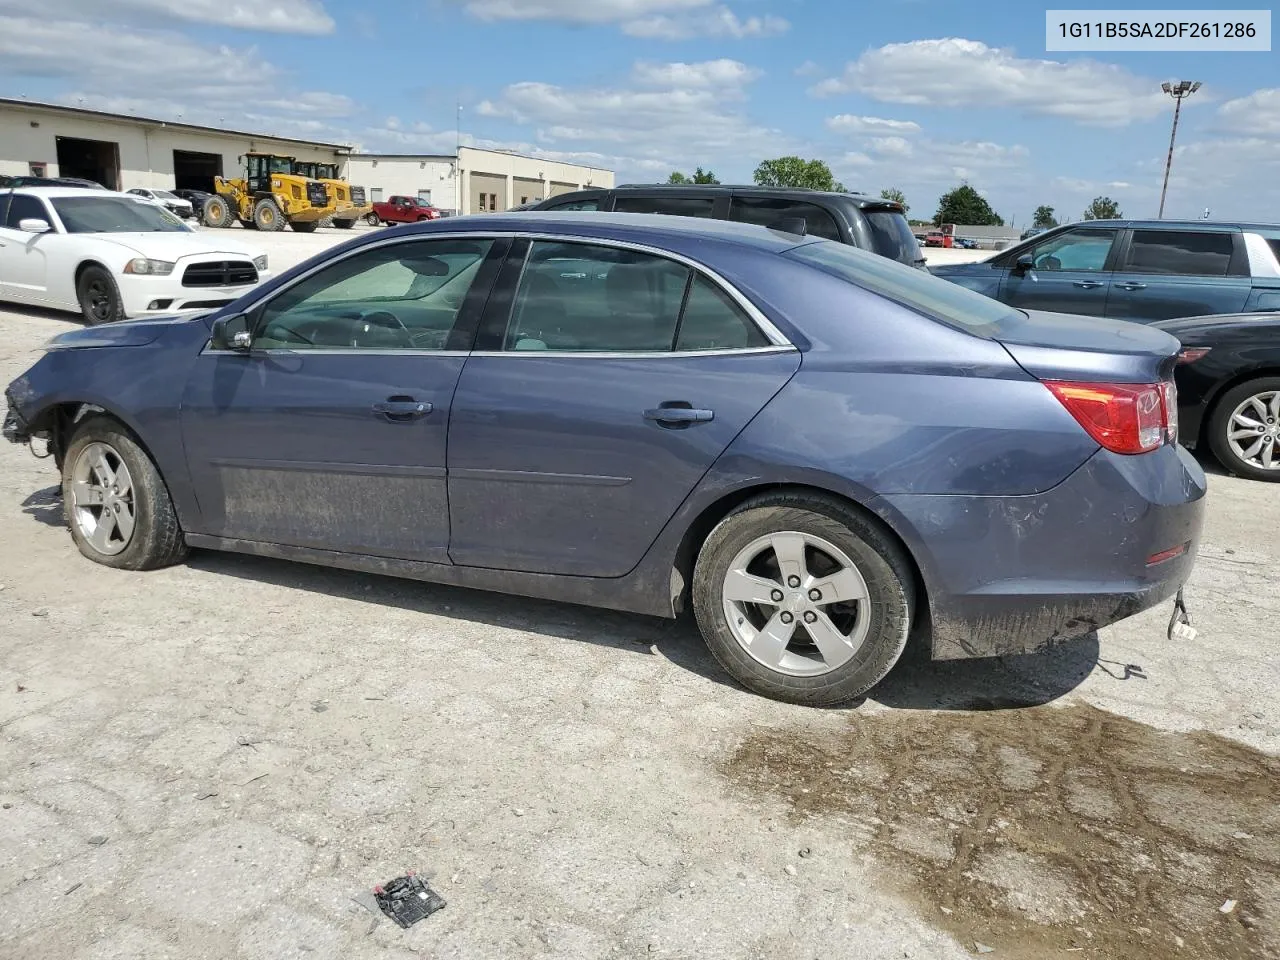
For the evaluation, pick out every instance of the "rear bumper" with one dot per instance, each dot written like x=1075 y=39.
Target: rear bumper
x=1012 y=575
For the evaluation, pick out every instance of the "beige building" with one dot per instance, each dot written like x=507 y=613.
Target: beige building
x=121 y=151
x=490 y=180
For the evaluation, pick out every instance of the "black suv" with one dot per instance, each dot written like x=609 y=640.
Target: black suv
x=872 y=224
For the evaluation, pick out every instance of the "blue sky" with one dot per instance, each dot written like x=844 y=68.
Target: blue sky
x=914 y=94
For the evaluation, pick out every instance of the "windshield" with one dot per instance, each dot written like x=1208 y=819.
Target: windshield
x=281 y=165
x=115 y=215
x=932 y=296
x=892 y=236
x=165 y=194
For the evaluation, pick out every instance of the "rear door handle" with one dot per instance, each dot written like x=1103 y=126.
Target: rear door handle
x=1129 y=285
x=678 y=416
x=402 y=409
x=1087 y=284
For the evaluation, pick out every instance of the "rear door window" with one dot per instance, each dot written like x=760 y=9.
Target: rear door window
x=670 y=205
x=1183 y=253
x=768 y=211
x=591 y=203
x=892 y=235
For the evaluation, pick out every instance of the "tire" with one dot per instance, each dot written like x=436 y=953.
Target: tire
x=154 y=538
x=309 y=227
x=833 y=539
x=216 y=212
x=344 y=224
x=372 y=219
x=1240 y=404
x=98 y=296
x=267 y=216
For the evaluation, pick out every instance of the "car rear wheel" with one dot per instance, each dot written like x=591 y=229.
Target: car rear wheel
x=1244 y=429
x=117 y=506
x=803 y=599
x=99 y=296
x=371 y=219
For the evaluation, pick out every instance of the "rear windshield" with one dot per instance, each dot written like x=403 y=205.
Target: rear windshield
x=892 y=235
x=940 y=299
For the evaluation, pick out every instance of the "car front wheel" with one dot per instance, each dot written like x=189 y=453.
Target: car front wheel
x=117 y=506
x=1244 y=429
x=99 y=297
x=803 y=599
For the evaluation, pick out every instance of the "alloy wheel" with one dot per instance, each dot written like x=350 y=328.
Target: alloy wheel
x=102 y=499
x=796 y=603
x=1253 y=432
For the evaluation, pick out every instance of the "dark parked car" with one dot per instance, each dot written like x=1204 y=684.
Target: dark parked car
x=1229 y=389
x=196 y=198
x=812 y=447
x=1134 y=269
x=867 y=222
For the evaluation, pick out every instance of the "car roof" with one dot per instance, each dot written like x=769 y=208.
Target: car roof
x=620 y=226
x=1178 y=224
x=748 y=188
x=52 y=192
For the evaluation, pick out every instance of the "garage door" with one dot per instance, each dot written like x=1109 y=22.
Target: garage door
x=195 y=171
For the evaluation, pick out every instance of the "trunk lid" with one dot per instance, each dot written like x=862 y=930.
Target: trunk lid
x=1065 y=346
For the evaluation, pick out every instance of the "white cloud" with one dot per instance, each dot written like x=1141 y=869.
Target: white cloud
x=955 y=72
x=727 y=75
x=1257 y=115
x=848 y=123
x=652 y=19
x=890 y=146
x=278 y=16
x=808 y=69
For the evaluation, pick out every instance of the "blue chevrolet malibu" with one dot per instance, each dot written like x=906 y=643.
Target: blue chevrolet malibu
x=813 y=448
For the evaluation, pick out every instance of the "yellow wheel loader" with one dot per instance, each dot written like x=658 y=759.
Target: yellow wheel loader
x=268 y=197
x=350 y=203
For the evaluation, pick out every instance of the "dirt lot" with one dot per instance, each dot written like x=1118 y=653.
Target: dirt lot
x=211 y=761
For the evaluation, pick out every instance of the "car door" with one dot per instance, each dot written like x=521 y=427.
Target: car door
x=605 y=383
x=330 y=431
x=1071 y=273
x=24 y=257
x=1166 y=273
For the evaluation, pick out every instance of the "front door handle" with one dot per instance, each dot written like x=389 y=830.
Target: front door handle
x=682 y=416
x=1130 y=285
x=1087 y=284
x=401 y=409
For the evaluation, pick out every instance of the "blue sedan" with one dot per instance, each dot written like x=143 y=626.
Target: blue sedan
x=814 y=449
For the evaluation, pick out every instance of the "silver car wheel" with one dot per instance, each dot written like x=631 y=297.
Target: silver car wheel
x=102 y=501
x=1253 y=432
x=796 y=603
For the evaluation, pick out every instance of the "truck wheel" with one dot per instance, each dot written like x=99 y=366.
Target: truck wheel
x=99 y=296
x=116 y=503
x=371 y=219
x=267 y=215
x=217 y=212
x=344 y=224
x=309 y=227
x=1244 y=429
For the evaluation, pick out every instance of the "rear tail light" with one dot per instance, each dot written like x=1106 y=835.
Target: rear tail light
x=1122 y=417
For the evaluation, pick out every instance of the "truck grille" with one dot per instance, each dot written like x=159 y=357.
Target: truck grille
x=357 y=196
x=317 y=194
x=220 y=273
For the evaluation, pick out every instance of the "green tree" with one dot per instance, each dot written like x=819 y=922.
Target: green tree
x=1103 y=208
x=897 y=196
x=677 y=177
x=965 y=205
x=795 y=172
x=704 y=176
x=1043 y=217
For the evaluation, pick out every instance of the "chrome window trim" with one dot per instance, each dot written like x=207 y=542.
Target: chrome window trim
x=766 y=326
x=637 y=355
x=331 y=351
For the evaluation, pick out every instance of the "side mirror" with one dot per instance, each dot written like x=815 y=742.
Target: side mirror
x=34 y=225
x=231 y=333
x=1024 y=264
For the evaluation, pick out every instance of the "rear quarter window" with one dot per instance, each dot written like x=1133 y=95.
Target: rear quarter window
x=892 y=235
x=917 y=290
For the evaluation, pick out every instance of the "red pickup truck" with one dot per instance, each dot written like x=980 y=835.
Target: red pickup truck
x=402 y=210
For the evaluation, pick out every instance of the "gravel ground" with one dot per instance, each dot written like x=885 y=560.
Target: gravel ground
x=213 y=760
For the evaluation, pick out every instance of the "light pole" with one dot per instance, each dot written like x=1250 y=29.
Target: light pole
x=1179 y=91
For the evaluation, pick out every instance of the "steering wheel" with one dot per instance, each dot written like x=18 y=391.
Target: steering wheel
x=388 y=321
